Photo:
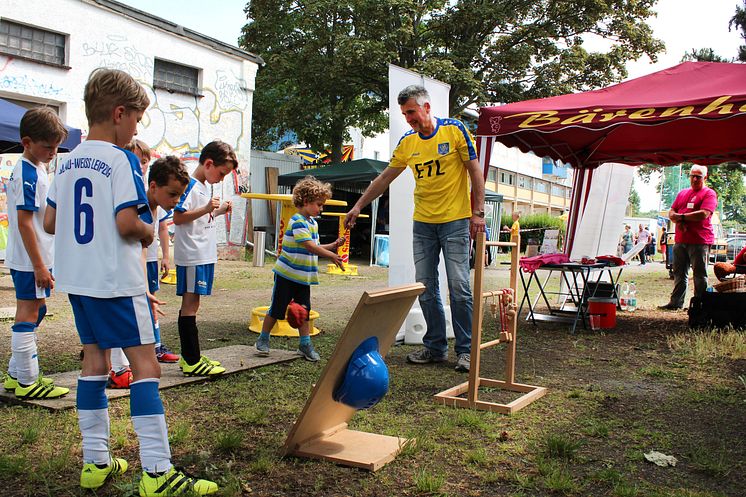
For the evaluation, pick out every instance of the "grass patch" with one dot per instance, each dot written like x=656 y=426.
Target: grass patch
x=596 y=428
x=427 y=482
x=477 y=457
x=704 y=346
x=715 y=463
x=656 y=372
x=561 y=446
x=229 y=441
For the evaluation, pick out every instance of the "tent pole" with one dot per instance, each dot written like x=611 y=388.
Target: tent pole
x=374 y=215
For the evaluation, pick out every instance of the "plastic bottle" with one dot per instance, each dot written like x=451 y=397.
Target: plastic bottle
x=624 y=296
x=632 y=301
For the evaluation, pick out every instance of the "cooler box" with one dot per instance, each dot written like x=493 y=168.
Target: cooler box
x=381 y=250
x=606 y=308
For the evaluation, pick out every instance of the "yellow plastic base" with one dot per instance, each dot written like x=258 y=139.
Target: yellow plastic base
x=350 y=269
x=281 y=328
x=170 y=278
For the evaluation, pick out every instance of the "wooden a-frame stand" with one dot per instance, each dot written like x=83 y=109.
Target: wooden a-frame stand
x=321 y=429
x=454 y=396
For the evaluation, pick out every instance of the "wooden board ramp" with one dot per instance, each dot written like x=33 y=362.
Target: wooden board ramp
x=321 y=431
x=455 y=396
x=234 y=358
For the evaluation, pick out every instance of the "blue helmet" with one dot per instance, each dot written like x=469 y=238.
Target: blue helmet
x=367 y=377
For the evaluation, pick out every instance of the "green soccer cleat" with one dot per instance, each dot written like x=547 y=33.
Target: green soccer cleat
x=93 y=476
x=10 y=384
x=175 y=482
x=204 y=367
x=40 y=389
x=214 y=363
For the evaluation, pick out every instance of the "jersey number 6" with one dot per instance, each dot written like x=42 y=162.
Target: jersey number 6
x=83 y=210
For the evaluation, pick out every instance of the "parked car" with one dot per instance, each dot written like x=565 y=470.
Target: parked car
x=728 y=249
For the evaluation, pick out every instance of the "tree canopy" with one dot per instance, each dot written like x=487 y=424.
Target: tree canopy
x=327 y=60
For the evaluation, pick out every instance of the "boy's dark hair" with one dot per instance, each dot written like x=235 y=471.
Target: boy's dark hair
x=165 y=168
x=110 y=88
x=220 y=153
x=309 y=189
x=140 y=145
x=43 y=124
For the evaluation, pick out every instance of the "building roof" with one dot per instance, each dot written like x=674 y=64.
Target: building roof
x=178 y=30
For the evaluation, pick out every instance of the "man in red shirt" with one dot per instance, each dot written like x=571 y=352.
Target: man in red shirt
x=691 y=211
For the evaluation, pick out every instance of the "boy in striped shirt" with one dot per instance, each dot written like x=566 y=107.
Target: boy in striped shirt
x=297 y=268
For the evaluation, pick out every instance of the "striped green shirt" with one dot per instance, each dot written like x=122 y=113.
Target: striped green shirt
x=295 y=262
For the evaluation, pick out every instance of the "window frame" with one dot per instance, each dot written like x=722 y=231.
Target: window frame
x=172 y=87
x=29 y=54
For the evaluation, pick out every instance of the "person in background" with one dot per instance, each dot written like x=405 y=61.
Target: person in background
x=30 y=251
x=626 y=239
x=443 y=158
x=691 y=211
x=664 y=244
x=643 y=236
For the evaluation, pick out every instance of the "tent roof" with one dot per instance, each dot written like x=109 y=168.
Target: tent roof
x=361 y=170
x=10 y=121
x=695 y=111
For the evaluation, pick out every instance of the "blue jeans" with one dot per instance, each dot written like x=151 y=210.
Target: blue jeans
x=428 y=241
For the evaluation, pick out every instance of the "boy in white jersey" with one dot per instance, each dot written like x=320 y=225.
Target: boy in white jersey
x=93 y=209
x=120 y=373
x=196 y=250
x=297 y=267
x=29 y=252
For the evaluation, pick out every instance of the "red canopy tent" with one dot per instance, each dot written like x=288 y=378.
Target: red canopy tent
x=695 y=111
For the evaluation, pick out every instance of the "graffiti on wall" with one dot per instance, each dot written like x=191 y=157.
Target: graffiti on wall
x=116 y=52
x=28 y=85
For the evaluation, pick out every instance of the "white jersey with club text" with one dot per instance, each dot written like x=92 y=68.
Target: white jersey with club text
x=94 y=183
x=195 y=243
x=27 y=191
x=152 y=253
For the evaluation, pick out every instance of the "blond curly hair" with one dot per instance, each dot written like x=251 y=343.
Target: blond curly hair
x=309 y=189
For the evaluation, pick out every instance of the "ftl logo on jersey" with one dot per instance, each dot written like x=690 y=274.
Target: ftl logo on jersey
x=443 y=148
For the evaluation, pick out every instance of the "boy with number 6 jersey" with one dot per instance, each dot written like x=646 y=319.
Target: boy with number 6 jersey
x=93 y=210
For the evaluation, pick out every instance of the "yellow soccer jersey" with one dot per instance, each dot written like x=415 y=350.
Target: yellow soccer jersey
x=437 y=161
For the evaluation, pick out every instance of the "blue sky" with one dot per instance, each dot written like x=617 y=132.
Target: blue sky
x=681 y=24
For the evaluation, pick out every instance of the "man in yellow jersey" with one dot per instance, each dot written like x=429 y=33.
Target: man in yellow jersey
x=442 y=157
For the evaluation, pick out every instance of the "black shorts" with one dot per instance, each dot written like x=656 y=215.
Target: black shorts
x=283 y=292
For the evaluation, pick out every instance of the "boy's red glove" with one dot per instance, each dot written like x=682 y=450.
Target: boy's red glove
x=296 y=314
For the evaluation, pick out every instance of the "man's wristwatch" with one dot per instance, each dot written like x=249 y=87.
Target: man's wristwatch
x=478 y=213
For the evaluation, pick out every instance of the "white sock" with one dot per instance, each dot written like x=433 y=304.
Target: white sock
x=12 y=371
x=23 y=347
x=118 y=359
x=149 y=422
x=93 y=419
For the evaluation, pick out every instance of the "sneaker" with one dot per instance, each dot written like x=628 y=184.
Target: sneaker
x=120 y=379
x=262 y=346
x=205 y=358
x=174 y=482
x=204 y=367
x=40 y=389
x=308 y=353
x=164 y=355
x=424 y=356
x=10 y=384
x=669 y=307
x=463 y=363
x=94 y=476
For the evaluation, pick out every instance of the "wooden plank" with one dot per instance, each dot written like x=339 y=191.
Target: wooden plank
x=378 y=314
x=355 y=448
x=234 y=358
x=270 y=175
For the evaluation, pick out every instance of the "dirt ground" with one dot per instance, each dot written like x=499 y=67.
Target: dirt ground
x=612 y=396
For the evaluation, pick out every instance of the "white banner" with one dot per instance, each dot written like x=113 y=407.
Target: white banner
x=401 y=191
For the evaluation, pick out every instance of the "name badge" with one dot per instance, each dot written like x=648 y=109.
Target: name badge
x=690 y=205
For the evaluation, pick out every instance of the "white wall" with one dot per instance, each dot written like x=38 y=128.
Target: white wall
x=174 y=122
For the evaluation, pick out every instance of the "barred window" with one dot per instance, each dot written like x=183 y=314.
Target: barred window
x=32 y=43
x=525 y=182
x=492 y=174
x=176 y=77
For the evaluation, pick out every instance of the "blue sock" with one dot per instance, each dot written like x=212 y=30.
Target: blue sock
x=305 y=340
x=264 y=335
